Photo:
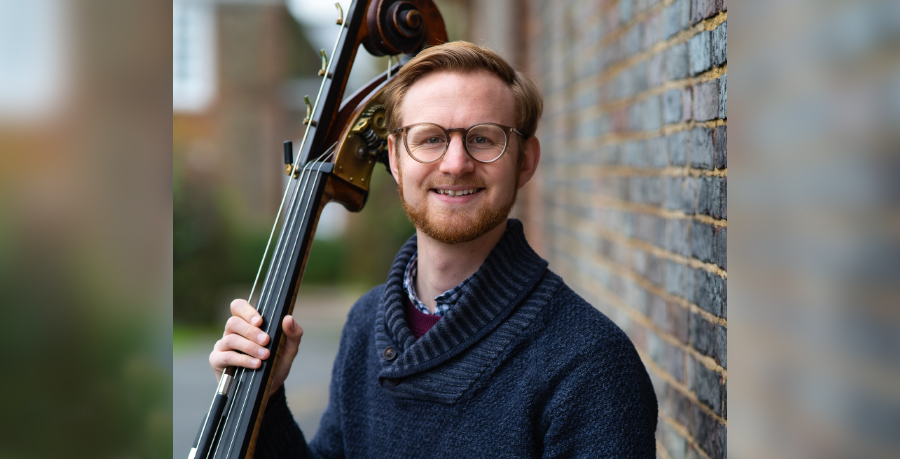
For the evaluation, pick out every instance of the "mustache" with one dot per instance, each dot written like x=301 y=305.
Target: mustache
x=472 y=182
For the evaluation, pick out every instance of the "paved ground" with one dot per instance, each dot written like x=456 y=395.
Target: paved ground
x=321 y=315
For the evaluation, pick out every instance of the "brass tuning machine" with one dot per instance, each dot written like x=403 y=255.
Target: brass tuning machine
x=308 y=120
x=371 y=127
x=324 y=69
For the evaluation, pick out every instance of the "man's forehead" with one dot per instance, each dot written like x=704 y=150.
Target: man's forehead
x=479 y=90
x=451 y=78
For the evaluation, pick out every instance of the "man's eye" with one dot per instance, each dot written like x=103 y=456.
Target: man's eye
x=434 y=140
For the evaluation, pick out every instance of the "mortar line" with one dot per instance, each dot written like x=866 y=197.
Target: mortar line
x=659 y=291
x=690 y=395
x=649 y=247
x=648 y=323
x=597 y=202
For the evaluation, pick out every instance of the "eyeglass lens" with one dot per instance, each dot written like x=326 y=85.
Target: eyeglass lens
x=427 y=142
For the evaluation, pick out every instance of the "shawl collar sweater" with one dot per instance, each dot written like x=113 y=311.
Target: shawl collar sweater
x=521 y=366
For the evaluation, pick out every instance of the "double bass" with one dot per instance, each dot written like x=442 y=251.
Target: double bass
x=341 y=144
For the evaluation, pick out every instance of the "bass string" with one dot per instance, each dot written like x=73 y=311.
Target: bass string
x=239 y=379
x=265 y=296
x=278 y=266
x=270 y=322
x=290 y=230
x=298 y=157
x=239 y=375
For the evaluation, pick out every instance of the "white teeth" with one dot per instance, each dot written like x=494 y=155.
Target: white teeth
x=456 y=193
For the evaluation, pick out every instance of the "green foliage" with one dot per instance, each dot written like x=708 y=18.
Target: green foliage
x=326 y=262
x=97 y=374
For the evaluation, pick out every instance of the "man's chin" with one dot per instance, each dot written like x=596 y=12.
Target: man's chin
x=455 y=228
x=455 y=234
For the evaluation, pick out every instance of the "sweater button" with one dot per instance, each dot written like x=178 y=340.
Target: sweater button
x=389 y=354
x=393 y=381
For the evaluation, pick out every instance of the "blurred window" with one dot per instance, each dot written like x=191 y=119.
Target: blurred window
x=193 y=56
x=32 y=58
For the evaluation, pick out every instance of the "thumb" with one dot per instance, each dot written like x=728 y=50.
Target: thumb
x=292 y=331
x=292 y=334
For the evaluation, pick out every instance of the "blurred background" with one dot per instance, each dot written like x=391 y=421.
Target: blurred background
x=118 y=261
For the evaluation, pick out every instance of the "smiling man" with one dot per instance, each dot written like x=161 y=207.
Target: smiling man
x=472 y=348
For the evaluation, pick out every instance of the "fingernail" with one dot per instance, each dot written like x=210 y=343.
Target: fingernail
x=262 y=352
x=254 y=320
x=261 y=338
x=254 y=362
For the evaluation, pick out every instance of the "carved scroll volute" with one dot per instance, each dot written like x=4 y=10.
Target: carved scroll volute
x=403 y=26
x=391 y=27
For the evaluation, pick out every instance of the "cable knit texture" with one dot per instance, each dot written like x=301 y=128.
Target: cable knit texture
x=520 y=367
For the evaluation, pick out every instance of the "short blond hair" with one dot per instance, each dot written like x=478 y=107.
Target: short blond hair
x=464 y=57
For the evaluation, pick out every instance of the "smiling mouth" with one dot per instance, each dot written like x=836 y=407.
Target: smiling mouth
x=456 y=192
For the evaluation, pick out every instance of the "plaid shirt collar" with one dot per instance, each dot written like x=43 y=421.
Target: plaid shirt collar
x=444 y=301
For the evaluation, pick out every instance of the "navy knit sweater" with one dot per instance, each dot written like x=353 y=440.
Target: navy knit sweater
x=520 y=367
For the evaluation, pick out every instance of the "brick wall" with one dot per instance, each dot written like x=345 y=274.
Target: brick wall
x=630 y=202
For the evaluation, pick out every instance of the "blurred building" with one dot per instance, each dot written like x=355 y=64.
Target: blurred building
x=240 y=70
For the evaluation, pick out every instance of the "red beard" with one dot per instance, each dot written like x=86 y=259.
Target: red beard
x=453 y=226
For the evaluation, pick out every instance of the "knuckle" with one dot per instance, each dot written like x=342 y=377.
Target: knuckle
x=232 y=342
x=246 y=361
x=250 y=332
x=233 y=323
x=234 y=359
x=223 y=344
x=249 y=348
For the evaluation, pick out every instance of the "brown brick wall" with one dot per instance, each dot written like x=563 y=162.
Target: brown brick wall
x=630 y=205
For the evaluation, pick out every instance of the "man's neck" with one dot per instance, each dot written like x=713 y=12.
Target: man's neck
x=444 y=266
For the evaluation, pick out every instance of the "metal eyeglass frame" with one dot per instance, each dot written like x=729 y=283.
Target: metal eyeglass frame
x=465 y=132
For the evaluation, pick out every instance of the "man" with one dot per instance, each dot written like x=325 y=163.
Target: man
x=472 y=348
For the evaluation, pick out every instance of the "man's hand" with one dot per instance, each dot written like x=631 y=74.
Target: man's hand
x=243 y=341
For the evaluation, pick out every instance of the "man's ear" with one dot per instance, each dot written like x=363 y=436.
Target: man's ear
x=532 y=155
x=392 y=157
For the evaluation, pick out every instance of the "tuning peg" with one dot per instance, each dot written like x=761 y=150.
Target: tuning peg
x=308 y=120
x=340 y=19
x=324 y=64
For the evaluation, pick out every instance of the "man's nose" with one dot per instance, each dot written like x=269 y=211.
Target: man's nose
x=456 y=160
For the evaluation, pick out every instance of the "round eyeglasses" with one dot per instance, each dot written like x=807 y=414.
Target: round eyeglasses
x=484 y=142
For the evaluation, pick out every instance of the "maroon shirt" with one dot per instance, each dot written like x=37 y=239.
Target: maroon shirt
x=419 y=322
